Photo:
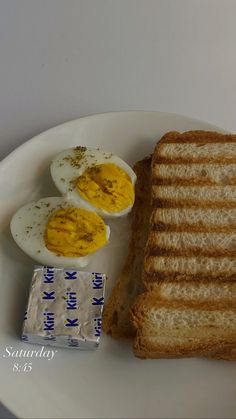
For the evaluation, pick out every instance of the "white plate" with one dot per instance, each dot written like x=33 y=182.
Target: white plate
x=110 y=382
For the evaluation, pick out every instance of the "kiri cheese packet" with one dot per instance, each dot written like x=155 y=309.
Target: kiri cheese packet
x=64 y=308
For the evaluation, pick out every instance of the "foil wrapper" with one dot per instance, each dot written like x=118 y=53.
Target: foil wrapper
x=64 y=308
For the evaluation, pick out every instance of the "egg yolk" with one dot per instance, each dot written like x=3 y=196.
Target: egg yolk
x=74 y=232
x=106 y=186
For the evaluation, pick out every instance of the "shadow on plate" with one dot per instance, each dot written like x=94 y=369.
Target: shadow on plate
x=47 y=187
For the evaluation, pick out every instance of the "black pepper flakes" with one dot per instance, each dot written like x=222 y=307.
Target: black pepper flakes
x=75 y=161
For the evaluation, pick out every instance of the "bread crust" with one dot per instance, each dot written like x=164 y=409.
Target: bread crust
x=196 y=136
x=151 y=278
x=116 y=318
x=199 y=341
x=215 y=349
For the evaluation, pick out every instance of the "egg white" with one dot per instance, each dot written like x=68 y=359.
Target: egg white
x=63 y=173
x=28 y=226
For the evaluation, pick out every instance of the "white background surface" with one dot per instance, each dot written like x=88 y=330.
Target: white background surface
x=61 y=59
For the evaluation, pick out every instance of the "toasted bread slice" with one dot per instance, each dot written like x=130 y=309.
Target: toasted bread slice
x=153 y=317
x=195 y=146
x=190 y=264
x=177 y=329
x=116 y=318
x=171 y=347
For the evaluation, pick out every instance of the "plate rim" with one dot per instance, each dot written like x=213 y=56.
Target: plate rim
x=99 y=115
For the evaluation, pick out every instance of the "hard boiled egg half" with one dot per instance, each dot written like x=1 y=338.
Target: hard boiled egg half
x=55 y=233
x=97 y=180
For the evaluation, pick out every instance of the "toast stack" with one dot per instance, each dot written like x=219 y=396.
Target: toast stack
x=189 y=267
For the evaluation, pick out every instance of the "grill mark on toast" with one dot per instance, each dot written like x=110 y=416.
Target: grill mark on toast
x=200 y=140
x=158 y=181
x=187 y=227
x=191 y=159
x=197 y=136
x=193 y=251
x=158 y=276
x=168 y=203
